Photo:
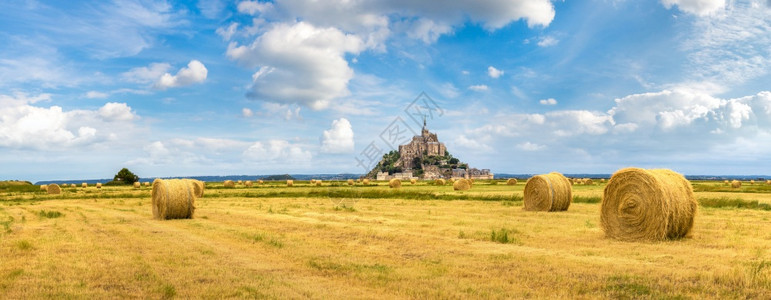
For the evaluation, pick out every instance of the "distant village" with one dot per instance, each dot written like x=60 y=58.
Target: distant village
x=424 y=157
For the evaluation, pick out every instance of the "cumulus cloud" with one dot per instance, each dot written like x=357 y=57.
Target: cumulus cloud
x=696 y=7
x=277 y=152
x=493 y=72
x=339 y=138
x=113 y=111
x=227 y=32
x=550 y=101
x=478 y=88
x=147 y=74
x=253 y=7
x=195 y=72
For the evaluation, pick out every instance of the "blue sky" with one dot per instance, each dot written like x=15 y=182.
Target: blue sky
x=249 y=87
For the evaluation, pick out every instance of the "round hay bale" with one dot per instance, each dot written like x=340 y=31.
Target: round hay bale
x=198 y=187
x=451 y=180
x=413 y=181
x=147 y=183
x=768 y=181
x=173 y=199
x=736 y=184
x=726 y=182
x=461 y=185
x=313 y=181
x=99 y=185
x=84 y=185
x=227 y=184
x=72 y=185
x=511 y=181
x=439 y=182
x=395 y=183
x=365 y=181
x=53 y=189
x=240 y=182
x=358 y=180
x=290 y=183
x=641 y=204
x=248 y=183
x=602 y=180
x=588 y=181
x=350 y=182
x=137 y=185
x=43 y=187
x=260 y=182
x=548 y=192
x=752 y=182
x=318 y=183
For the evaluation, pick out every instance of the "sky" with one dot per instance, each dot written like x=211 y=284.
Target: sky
x=222 y=87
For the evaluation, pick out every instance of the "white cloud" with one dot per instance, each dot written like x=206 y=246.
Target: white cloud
x=493 y=72
x=286 y=111
x=548 y=41
x=96 y=95
x=299 y=63
x=227 y=33
x=550 y=101
x=113 y=111
x=276 y=152
x=478 y=88
x=427 y=30
x=195 y=72
x=247 y=113
x=528 y=146
x=696 y=7
x=339 y=138
x=253 y=7
x=146 y=74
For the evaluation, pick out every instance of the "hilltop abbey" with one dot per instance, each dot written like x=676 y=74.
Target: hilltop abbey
x=424 y=157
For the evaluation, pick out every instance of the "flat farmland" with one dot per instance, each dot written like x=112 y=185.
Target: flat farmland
x=338 y=241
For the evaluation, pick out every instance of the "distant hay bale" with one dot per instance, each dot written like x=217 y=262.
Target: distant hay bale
x=350 y=182
x=511 y=181
x=602 y=180
x=641 y=204
x=137 y=185
x=588 y=181
x=768 y=181
x=240 y=182
x=461 y=185
x=752 y=182
x=395 y=183
x=313 y=181
x=451 y=180
x=358 y=180
x=72 y=185
x=290 y=183
x=439 y=181
x=99 y=185
x=260 y=182
x=365 y=181
x=147 y=183
x=318 y=182
x=248 y=183
x=54 y=189
x=84 y=185
x=548 y=192
x=229 y=184
x=413 y=181
x=736 y=184
x=173 y=199
x=198 y=187
x=43 y=187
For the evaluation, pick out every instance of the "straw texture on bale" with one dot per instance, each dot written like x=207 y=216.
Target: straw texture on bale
x=137 y=185
x=248 y=183
x=461 y=185
x=641 y=204
x=548 y=192
x=439 y=182
x=43 y=187
x=53 y=189
x=395 y=183
x=228 y=184
x=588 y=181
x=318 y=183
x=99 y=185
x=350 y=182
x=84 y=185
x=511 y=181
x=413 y=181
x=736 y=184
x=290 y=183
x=198 y=187
x=173 y=199
x=365 y=181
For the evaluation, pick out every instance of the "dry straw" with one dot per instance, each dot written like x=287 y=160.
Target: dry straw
x=147 y=183
x=726 y=182
x=53 y=189
x=413 y=181
x=641 y=204
x=227 y=184
x=313 y=181
x=137 y=185
x=198 y=187
x=395 y=183
x=736 y=184
x=248 y=183
x=240 y=182
x=365 y=181
x=318 y=183
x=72 y=185
x=768 y=181
x=548 y=192
x=588 y=181
x=99 y=185
x=602 y=180
x=350 y=182
x=84 y=185
x=290 y=182
x=173 y=199
x=260 y=182
x=43 y=187
x=752 y=182
x=461 y=185
x=439 y=182
x=511 y=181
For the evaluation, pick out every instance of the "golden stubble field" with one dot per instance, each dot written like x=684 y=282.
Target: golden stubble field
x=268 y=242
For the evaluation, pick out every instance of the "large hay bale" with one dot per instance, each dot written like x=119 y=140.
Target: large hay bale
x=198 y=187
x=84 y=185
x=350 y=182
x=43 y=187
x=548 y=192
x=318 y=182
x=439 y=181
x=395 y=183
x=736 y=184
x=413 y=181
x=229 y=184
x=173 y=199
x=99 y=185
x=53 y=189
x=365 y=181
x=461 y=185
x=137 y=185
x=641 y=204
x=248 y=183
x=290 y=182
x=511 y=181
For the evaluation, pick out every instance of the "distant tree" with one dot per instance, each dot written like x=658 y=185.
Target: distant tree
x=125 y=176
x=453 y=161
